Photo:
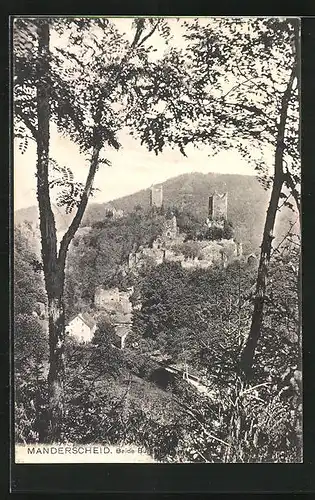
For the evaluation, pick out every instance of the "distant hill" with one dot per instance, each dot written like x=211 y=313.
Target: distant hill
x=30 y=214
x=247 y=204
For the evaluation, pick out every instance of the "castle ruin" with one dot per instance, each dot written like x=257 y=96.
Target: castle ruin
x=113 y=213
x=166 y=247
x=169 y=234
x=156 y=196
x=218 y=207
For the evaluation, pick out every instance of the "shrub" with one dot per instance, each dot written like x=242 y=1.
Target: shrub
x=242 y=424
x=31 y=394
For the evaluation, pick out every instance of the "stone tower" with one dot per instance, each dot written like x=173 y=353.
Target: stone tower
x=218 y=206
x=156 y=196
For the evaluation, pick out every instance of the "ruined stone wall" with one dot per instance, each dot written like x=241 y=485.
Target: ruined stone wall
x=170 y=229
x=156 y=254
x=113 y=300
x=114 y=213
x=106 y=297
x=211 y=252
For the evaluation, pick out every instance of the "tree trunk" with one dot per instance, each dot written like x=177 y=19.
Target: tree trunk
x=54 y=263
x=53 y=276
x=247 y=355
x=56 y=365
x=257 y=317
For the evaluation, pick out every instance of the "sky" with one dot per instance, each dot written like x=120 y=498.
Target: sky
x=133 y=167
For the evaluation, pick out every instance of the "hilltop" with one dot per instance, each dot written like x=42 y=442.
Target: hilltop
x=247 y=204
x=31 y=215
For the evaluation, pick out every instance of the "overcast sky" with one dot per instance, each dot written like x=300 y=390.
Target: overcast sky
x=133 y=167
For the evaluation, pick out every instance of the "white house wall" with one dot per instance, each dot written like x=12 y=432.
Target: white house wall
x=78 y=329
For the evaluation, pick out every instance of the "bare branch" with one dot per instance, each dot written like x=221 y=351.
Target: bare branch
x=292 y=224
x=66 y=240
x=139 y=29
x=251 y=109
x=286 y=199
x=238 y=85
x=150 y=33
x=259 y=86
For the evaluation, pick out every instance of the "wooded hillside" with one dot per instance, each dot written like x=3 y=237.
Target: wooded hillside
x=247 y=204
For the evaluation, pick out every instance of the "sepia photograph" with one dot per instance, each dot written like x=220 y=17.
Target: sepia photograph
x=157 y=240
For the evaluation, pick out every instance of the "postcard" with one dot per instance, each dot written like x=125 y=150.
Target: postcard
x=157 y=244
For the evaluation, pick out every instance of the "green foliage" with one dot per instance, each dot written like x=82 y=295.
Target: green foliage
x=216 y=232
x=115 y=76
x=259 y=54
x=189 y=249
x=104 y=334
x=156 y=316
x=29 y=340
x=104 y=401
x=98 y=258
x=30 y=363
x=278 y=347
x=118 y=420
x=93 y=361
x=28 y=284
x=71 y=192
x=228 y=230
x=240 y=424
x=247 y=204
x=246 y=212
x=139 y=363
x=186 y=220
x=199 y=315
x=236 y=424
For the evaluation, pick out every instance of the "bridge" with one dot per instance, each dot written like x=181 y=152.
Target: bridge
x=192 y=379
x=195 y=380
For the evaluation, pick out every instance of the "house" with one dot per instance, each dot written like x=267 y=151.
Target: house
x=118 y=307
x=122 y=322
x=82 y=327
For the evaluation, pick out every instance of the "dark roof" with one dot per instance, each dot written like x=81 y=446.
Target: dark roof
x=88 y=320
x=122 y=330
